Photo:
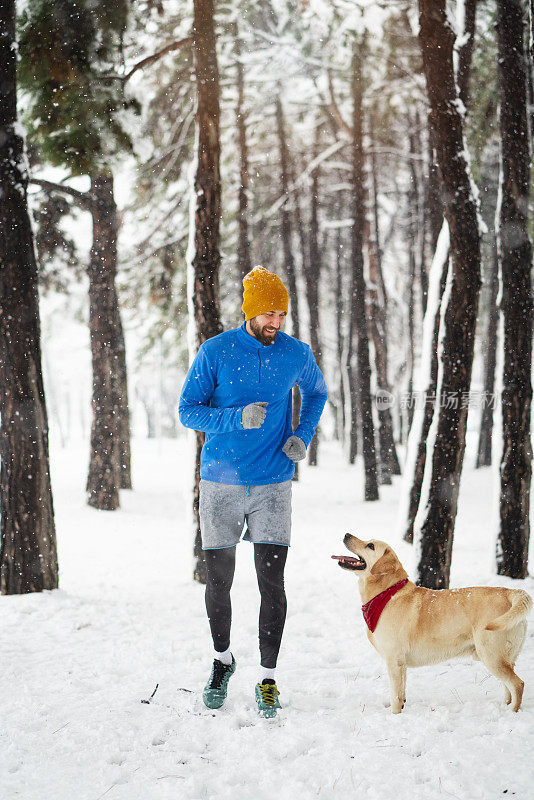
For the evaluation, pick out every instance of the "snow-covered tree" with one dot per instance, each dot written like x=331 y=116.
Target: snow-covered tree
x=437 y=38
x=75 y=117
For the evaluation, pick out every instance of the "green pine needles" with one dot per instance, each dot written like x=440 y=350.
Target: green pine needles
x=76 y=104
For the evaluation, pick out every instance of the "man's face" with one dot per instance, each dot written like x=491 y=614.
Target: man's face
x=266 y=326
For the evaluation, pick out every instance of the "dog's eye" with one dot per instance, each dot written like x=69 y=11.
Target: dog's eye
x=371 y=546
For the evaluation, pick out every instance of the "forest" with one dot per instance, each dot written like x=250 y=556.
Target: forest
x=375 y=156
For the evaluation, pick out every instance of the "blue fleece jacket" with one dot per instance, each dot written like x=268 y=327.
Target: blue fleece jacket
x=229 y=372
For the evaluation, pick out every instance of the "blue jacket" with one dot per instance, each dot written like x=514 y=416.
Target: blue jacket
x=229 y=372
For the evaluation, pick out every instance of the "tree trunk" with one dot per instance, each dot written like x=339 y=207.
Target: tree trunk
x=353 y=391
x=205 y=256
x=426 y=389
x=244 y=264
x=285 y=220
x=465 y=52
x=422 y=216
x=378 y=239
x=529 y=58
x=100 y=201
x=378 y=303
x=436 y=39
x=515 y=251
x=340 y=310
x=427 y=382
x=358 y=288
x=120 y=374
x=303 y=241
x=413 y=212
x=199 y=571
x=121 y=389
x=104 y=478
x=303 y=246
x=312 y=277
x=490 y=350
x=287 y=249
x=433 y=204
x=385 y=423
x=28 y=557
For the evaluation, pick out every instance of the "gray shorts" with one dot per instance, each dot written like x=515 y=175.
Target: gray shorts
x=225 y=508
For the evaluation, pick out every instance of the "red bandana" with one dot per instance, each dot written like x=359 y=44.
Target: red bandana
x=373 y=609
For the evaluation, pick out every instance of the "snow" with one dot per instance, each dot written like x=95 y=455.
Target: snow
x=77 y=662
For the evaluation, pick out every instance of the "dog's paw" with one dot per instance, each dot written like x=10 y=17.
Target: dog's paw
x=397 y=705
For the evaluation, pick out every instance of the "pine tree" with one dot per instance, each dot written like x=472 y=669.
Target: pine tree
x=28 y=558
x=67 y=48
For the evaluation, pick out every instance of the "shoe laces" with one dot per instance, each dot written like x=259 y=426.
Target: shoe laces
x=269 y=693
x=218 y=674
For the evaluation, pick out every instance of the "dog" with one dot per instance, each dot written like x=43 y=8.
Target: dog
x=411 y=626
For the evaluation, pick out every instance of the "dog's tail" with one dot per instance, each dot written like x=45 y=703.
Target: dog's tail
x=521 y=605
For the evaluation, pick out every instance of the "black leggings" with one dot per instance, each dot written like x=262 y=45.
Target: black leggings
x=269 y=560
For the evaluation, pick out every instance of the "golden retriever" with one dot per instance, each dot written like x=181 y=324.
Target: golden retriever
x=419 y=626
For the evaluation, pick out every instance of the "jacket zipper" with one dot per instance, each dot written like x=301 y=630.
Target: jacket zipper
x=259 y=367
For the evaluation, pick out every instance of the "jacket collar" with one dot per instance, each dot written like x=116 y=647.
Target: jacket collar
x=251 y=343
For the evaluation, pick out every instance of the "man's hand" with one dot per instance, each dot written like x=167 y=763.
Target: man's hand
x=253 y=415
x=294 y=448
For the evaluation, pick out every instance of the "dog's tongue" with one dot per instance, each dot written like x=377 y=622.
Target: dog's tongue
x=347 y=559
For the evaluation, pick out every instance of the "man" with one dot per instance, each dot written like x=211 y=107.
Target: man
x=239 y=391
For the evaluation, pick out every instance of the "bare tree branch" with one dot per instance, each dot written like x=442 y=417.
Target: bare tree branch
x=156 y=56
x=83 y=199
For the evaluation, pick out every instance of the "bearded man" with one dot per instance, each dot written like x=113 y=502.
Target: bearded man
x=239 y=392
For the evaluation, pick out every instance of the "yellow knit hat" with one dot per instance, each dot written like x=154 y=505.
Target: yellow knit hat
x=263 y=291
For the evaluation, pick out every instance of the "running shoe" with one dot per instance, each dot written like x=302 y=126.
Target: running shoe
x=267 y=698
x=215 y=690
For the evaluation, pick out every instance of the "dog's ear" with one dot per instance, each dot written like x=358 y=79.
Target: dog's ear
x=386 y=563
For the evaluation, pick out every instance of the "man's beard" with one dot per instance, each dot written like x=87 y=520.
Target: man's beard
x=257 y=331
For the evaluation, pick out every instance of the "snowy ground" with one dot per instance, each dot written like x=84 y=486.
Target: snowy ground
x=77 y=662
